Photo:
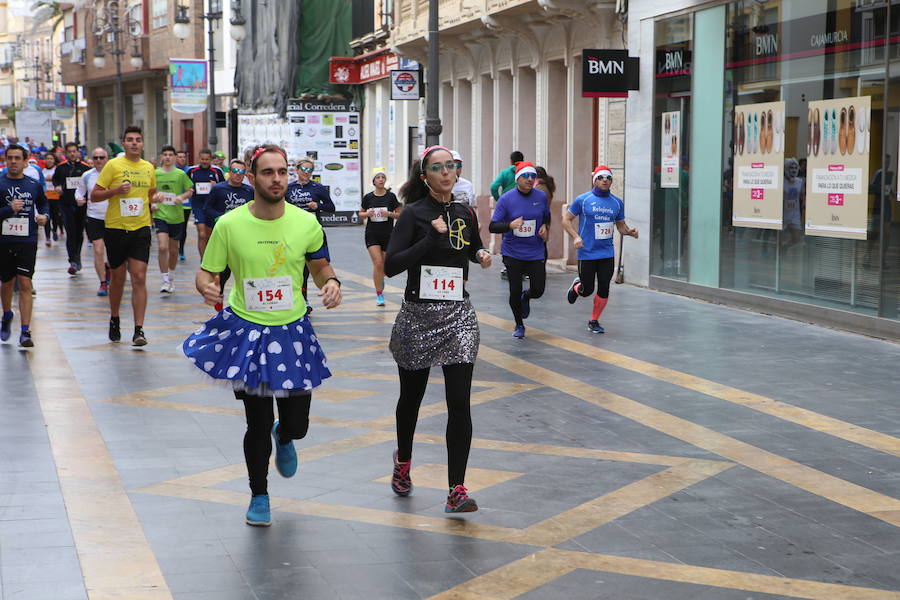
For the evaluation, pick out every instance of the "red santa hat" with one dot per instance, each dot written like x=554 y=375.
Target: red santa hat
x=601 y=170
x=523 y=167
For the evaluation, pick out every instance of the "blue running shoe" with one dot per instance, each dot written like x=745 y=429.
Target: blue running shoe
x=181 y=256
x=6 y=326
x=25 y=339
x=595 y=327
x=285 y=455
x=379 y=300
x=458 y=501
x=258 y=514
x=519 y=333
x=526 y=305
x=572 y=294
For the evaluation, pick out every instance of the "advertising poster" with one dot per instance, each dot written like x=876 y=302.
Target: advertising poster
x=670 y=152
x=328 y=132
x=837 y=167
x=758 y=163
x=187 y=85
x=35 y=125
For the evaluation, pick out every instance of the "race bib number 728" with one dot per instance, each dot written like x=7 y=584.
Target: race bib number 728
x=604 y=231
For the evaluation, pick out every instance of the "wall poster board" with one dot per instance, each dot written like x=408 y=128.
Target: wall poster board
x=758 y=163
x=670 y=151
x=837 y=190
x=327 y=132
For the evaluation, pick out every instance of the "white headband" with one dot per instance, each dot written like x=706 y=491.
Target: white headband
x=525 y=170
x=606 y=172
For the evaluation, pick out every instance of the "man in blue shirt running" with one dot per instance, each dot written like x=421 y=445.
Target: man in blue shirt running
x=204 y=175
x=311 y=196
x=599 y=214
x=522 y=215
x=23 y=208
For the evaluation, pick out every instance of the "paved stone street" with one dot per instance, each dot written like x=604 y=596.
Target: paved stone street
x=691 y=452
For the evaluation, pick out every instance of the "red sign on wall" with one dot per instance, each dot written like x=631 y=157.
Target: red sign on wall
x=361 y=69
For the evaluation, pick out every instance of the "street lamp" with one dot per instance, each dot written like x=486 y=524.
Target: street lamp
x=213 y=15
x=433 y=126
x=107 y=30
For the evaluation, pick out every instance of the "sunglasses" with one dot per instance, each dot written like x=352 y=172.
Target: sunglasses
x=528 y=176
x=239 y=171
x=306 y=169
x=604 y=177
x=438 y=167
x=99 y=157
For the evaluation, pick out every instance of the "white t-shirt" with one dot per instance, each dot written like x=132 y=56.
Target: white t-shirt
x=95 y=210
x=464 y=192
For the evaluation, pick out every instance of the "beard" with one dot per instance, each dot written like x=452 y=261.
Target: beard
x=268 y=197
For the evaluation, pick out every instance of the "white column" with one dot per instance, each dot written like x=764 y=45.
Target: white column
x=525 y=122
x=541 y=107
x=462 y=126
x=482 y=133
x=447 y=116
x=505 y=114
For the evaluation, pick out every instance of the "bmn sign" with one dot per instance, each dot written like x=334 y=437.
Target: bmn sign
x=608 y=73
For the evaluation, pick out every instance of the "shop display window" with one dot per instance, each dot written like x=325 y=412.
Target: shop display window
x=671 y=129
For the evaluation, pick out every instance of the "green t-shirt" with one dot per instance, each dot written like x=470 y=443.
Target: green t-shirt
x=259 y=252
x=175 y=182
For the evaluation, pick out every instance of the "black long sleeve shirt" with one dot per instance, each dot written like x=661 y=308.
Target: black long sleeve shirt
x=64 y=173
x=415 y=242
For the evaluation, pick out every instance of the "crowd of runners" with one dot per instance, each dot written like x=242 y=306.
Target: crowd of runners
x=264 y=233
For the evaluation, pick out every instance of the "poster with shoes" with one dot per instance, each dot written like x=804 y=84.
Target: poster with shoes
x=758 y=163
x=670 y=150
x=837 y=167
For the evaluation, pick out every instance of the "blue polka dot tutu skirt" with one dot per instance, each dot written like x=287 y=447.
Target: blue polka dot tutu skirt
x=261 y=360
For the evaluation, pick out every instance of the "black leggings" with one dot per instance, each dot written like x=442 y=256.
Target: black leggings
x=599 y=269
x=55 y=223
x=458 y=385
x=293 y=417
x=75 y=219
x=187 y=221
x=537 y=275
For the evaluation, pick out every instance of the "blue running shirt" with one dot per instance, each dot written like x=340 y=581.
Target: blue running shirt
x=597 y=214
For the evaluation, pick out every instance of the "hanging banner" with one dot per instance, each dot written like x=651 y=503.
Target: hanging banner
x=837 y=167
x=670 y=151
x=608 y=73
x=188 y=84
x=758 y=163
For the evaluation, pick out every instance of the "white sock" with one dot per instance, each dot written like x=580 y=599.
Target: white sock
x=165 y=277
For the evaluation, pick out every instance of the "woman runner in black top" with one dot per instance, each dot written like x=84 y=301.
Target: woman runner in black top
x=379 y=208
x=434 y=241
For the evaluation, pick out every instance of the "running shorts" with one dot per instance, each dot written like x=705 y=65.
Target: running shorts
x=17 y=259
x=122 y=245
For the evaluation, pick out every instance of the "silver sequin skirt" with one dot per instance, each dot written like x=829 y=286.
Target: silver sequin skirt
x=431 y=334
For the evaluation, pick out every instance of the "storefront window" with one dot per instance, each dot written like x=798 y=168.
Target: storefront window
x=671 y=137
x=805 y=125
